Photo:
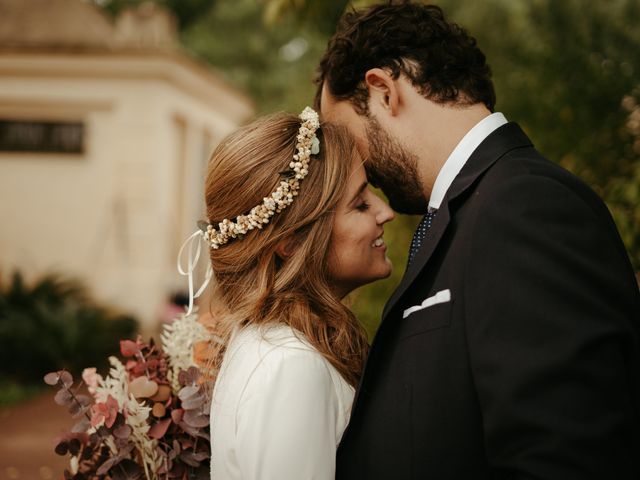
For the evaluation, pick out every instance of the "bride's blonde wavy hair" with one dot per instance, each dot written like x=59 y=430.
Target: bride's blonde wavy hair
x=252 y=284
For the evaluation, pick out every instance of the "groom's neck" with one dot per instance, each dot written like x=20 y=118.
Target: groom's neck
x=439 y=129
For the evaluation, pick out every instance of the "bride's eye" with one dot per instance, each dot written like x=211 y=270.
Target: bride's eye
x=363 y=206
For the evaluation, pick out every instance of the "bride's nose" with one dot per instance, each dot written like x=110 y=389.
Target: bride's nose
x=384 y=213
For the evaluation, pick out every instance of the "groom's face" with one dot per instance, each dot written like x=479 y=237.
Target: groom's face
x=389 y=165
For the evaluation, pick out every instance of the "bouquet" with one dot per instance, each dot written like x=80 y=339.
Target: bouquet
x=147 y=419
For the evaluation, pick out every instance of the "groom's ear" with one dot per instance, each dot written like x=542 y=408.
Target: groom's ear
x=382 y=90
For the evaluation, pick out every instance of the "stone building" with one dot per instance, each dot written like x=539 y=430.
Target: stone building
x=105 y=130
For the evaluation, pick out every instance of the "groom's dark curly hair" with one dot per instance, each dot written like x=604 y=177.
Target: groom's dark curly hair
x=440 y=59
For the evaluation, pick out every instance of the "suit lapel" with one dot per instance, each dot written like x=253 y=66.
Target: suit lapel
x=497 y=144
x=429 y=244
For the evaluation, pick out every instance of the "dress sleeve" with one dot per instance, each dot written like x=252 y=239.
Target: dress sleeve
x=286 y=421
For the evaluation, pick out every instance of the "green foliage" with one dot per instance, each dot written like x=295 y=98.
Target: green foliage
x=12 y=392
x=53 y=325
x=568 y=72
x=274 y=64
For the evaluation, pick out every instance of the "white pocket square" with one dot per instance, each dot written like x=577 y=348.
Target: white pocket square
x=443 y=296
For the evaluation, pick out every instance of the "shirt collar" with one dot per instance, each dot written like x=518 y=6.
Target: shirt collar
x=461 y=154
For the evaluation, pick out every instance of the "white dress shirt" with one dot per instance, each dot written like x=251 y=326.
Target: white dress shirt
x=279 y=409
x=461 y=154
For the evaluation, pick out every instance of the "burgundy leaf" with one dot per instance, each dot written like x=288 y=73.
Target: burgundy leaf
x=163 y=469
x=87 y=452
x=201 y=473
x=188 y=458
x=129 y=348
x=158 y=429
x=106 y=466
x=123 y=432
x=119 y=421
x=178 y=470
x=186 y=443
x=62 y=448
x=200 y=456
x=74 y=446
x=127 y=470
x=176 y=415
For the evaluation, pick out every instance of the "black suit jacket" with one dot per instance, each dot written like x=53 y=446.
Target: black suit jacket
x=532 y=369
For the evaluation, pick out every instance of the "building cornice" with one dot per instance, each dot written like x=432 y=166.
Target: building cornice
x=173 y=67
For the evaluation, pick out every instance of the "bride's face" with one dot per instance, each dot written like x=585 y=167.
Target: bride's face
x=357 y=251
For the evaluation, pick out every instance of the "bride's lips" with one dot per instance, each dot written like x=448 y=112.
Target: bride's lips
x=379 y=243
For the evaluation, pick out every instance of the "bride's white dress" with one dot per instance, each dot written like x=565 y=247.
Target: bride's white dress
x=279 y=409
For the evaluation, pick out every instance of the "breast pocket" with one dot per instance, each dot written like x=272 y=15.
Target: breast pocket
x=432 y=314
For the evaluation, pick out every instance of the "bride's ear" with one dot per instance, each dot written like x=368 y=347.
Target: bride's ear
x=284 y=249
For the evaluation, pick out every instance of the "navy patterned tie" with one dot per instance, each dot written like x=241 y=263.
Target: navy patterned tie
x=420 y=234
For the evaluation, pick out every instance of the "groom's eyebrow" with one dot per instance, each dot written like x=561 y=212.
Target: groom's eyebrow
x=360 y=190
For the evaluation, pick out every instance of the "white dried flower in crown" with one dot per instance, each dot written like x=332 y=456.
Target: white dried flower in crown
x=308 y=144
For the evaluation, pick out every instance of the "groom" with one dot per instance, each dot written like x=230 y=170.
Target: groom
x=510 y=350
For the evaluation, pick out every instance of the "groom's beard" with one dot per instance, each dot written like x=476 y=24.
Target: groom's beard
x=394 y=170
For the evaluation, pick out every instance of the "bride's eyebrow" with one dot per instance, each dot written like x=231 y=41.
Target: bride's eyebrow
x=360 y=190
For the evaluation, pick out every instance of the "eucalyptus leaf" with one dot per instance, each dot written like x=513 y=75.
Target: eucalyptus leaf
x=66 y=378
x=63 y=397
x=193 y=402
x=159 y=428
x=123 y=432
x=195 y=419
x=62 y=448
x=127 y=470
x=189 y=459
x=74 y=446
x=81 y=426
x=108 y=465
x=52 y=378
x=188 y=392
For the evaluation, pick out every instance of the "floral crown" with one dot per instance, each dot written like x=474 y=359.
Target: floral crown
x=307 y=145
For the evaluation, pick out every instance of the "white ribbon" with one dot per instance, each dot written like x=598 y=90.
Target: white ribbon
x=193 y=257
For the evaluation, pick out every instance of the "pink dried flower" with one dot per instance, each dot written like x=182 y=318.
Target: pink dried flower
x=105 y=412
x=91 y=378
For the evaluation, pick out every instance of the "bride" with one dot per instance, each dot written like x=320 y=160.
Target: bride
x=292 y=229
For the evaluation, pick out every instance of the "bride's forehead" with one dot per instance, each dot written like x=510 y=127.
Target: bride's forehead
x=357 y=176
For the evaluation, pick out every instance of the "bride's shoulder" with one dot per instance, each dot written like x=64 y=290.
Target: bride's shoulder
x=265 y=353
x=275 y=360
x=271 y=342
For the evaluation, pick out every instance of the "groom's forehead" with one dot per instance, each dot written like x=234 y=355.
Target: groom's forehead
x=341 y=112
